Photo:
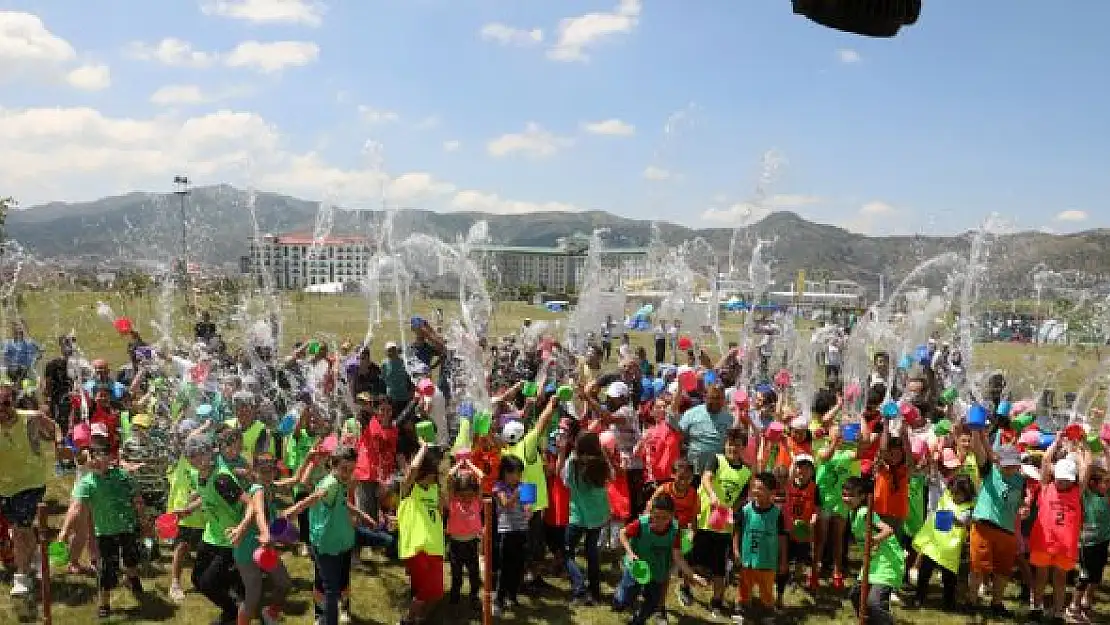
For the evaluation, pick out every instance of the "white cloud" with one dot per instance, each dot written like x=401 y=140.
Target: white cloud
x=28 y=50
x=610 y=127
x=72 y=154
x=185 y=95
x=876 y=209
x=509 y=36
x=1072 y=216
x=845 y=55
x=652 y=172
x=268 y=11
x=95 y=77
x=872 y=217
x=172 y=52
x=452 y=145
x=375 y=116
x=578 y=34
x=274 y=56
x=534 y=141
x=477 y=201
x=428 y=123
x=747 y=212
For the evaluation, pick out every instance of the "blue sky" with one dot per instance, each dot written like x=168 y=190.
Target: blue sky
x=657 y=109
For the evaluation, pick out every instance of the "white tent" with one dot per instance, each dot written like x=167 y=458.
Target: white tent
x=328 y=288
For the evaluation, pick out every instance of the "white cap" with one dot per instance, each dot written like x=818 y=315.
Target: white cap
x=1066 y=469
x=617 y=389
x=800 y=458
x=1009 y=456
x=390 y=345
x=513 y=432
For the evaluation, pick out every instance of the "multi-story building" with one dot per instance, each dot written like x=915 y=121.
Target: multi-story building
x=297 y=261
x=557 y=269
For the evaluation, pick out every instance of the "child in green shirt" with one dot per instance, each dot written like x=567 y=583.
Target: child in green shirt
x=116 y=505
x=888 y=560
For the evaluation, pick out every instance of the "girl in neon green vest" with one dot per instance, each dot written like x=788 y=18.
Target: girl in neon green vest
x=420 y=521
x=943 y=548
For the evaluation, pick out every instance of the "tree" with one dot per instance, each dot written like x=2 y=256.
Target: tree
x=6 y=204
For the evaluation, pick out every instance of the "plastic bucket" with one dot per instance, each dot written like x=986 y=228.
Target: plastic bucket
x=530 y=389
x=949 y=395
x=416 y=323
x=1046 y=440
x=890 y=409
x=977 y=417
x=852 y=392
x=1094 y=444
x=688 y=380
x=1075 y=432
x=719 y=517
x=685 y=344
x=266 y=558
x=286 y=424
x=166 y=526
x=57 y=553
x=944 y=520
x=482 y=423
x=942 y=427
x=783 y=378
x=639 y=570
x=687 y=541
x=565 y=393
x=527 y=493
x=775 y=431
x=426 y=387
x=850 y=432
x=1003 y=409
x=709 y=378
x=426 y=431
x=1022 y=421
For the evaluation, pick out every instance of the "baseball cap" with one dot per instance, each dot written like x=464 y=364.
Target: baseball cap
x=1009 y=456
x=800 y=458
x=390 y=345
x=1065 y=469
x=617 y=389
x=799 y=422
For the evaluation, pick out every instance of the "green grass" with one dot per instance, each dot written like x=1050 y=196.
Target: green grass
x=380 y=588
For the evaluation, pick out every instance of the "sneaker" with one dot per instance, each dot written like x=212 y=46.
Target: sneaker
x=271 y=615
x=344 y=616
x=912 y=576
x=21 y=585
x=685 y=597
x=895 y=599
x=737 y=615
x=177 y=594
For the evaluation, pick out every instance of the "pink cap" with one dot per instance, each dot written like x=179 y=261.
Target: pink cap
x=1030 y=437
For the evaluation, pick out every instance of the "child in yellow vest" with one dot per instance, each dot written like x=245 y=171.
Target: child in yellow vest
x=420 y=521
x=940 y=543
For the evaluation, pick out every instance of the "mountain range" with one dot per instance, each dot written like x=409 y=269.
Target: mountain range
x=218 y=225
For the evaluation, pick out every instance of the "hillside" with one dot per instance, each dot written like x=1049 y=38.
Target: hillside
x=148 y=226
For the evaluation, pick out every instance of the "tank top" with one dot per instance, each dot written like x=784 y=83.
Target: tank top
x=419 y=522
x=759 y=542
x=655 y=549
x=892 y=492
x=944 y=548
x=686 y=507
x=557 y=513
x=219 y=515
x=1059 y=522
x=1096 y=519
x=728 y=484
x=801 y=504
x=465 y=518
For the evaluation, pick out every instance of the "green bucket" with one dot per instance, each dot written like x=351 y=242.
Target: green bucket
x=57 y=553
x=948 y=396
x=426 y=431
x=530 y=389
x=482 y=423
x=942 y=427
x=687 y=541
x=638 y=569
x=565 y=393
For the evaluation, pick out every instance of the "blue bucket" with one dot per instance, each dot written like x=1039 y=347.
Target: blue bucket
x=416 y=323
x=466 y=409
x=286 y=424
x=710 y=377
x=890 y=409
x=977 y=417
x=1003 y=409
x=527 y=493
x=658 y=385
x=850 y=432
x=1046 y=440
x=905 y=362
x=922 y=355
x=944 y=520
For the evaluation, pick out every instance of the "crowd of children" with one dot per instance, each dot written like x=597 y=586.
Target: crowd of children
x=689 y=476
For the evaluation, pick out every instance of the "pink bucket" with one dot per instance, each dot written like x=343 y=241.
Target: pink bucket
x=783 y=378
x=426 y=387
x=719 y=517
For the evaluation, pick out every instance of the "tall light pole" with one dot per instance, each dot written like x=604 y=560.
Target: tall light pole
x=181 y=190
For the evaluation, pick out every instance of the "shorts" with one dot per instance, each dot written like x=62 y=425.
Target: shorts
x=711 y=551
x=799 y=551
x=189 y=536
x=1043 y=560
x=761 y=580
x=112 y=550
x=20 y=509
x=1092 y=563
x=537 y=537
x=993 y=551
x=426 y=577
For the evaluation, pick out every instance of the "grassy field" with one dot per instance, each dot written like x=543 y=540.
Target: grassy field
x=379 y=588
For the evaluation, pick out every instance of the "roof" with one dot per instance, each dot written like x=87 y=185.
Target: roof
x=554 y=251
x=307 y=239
